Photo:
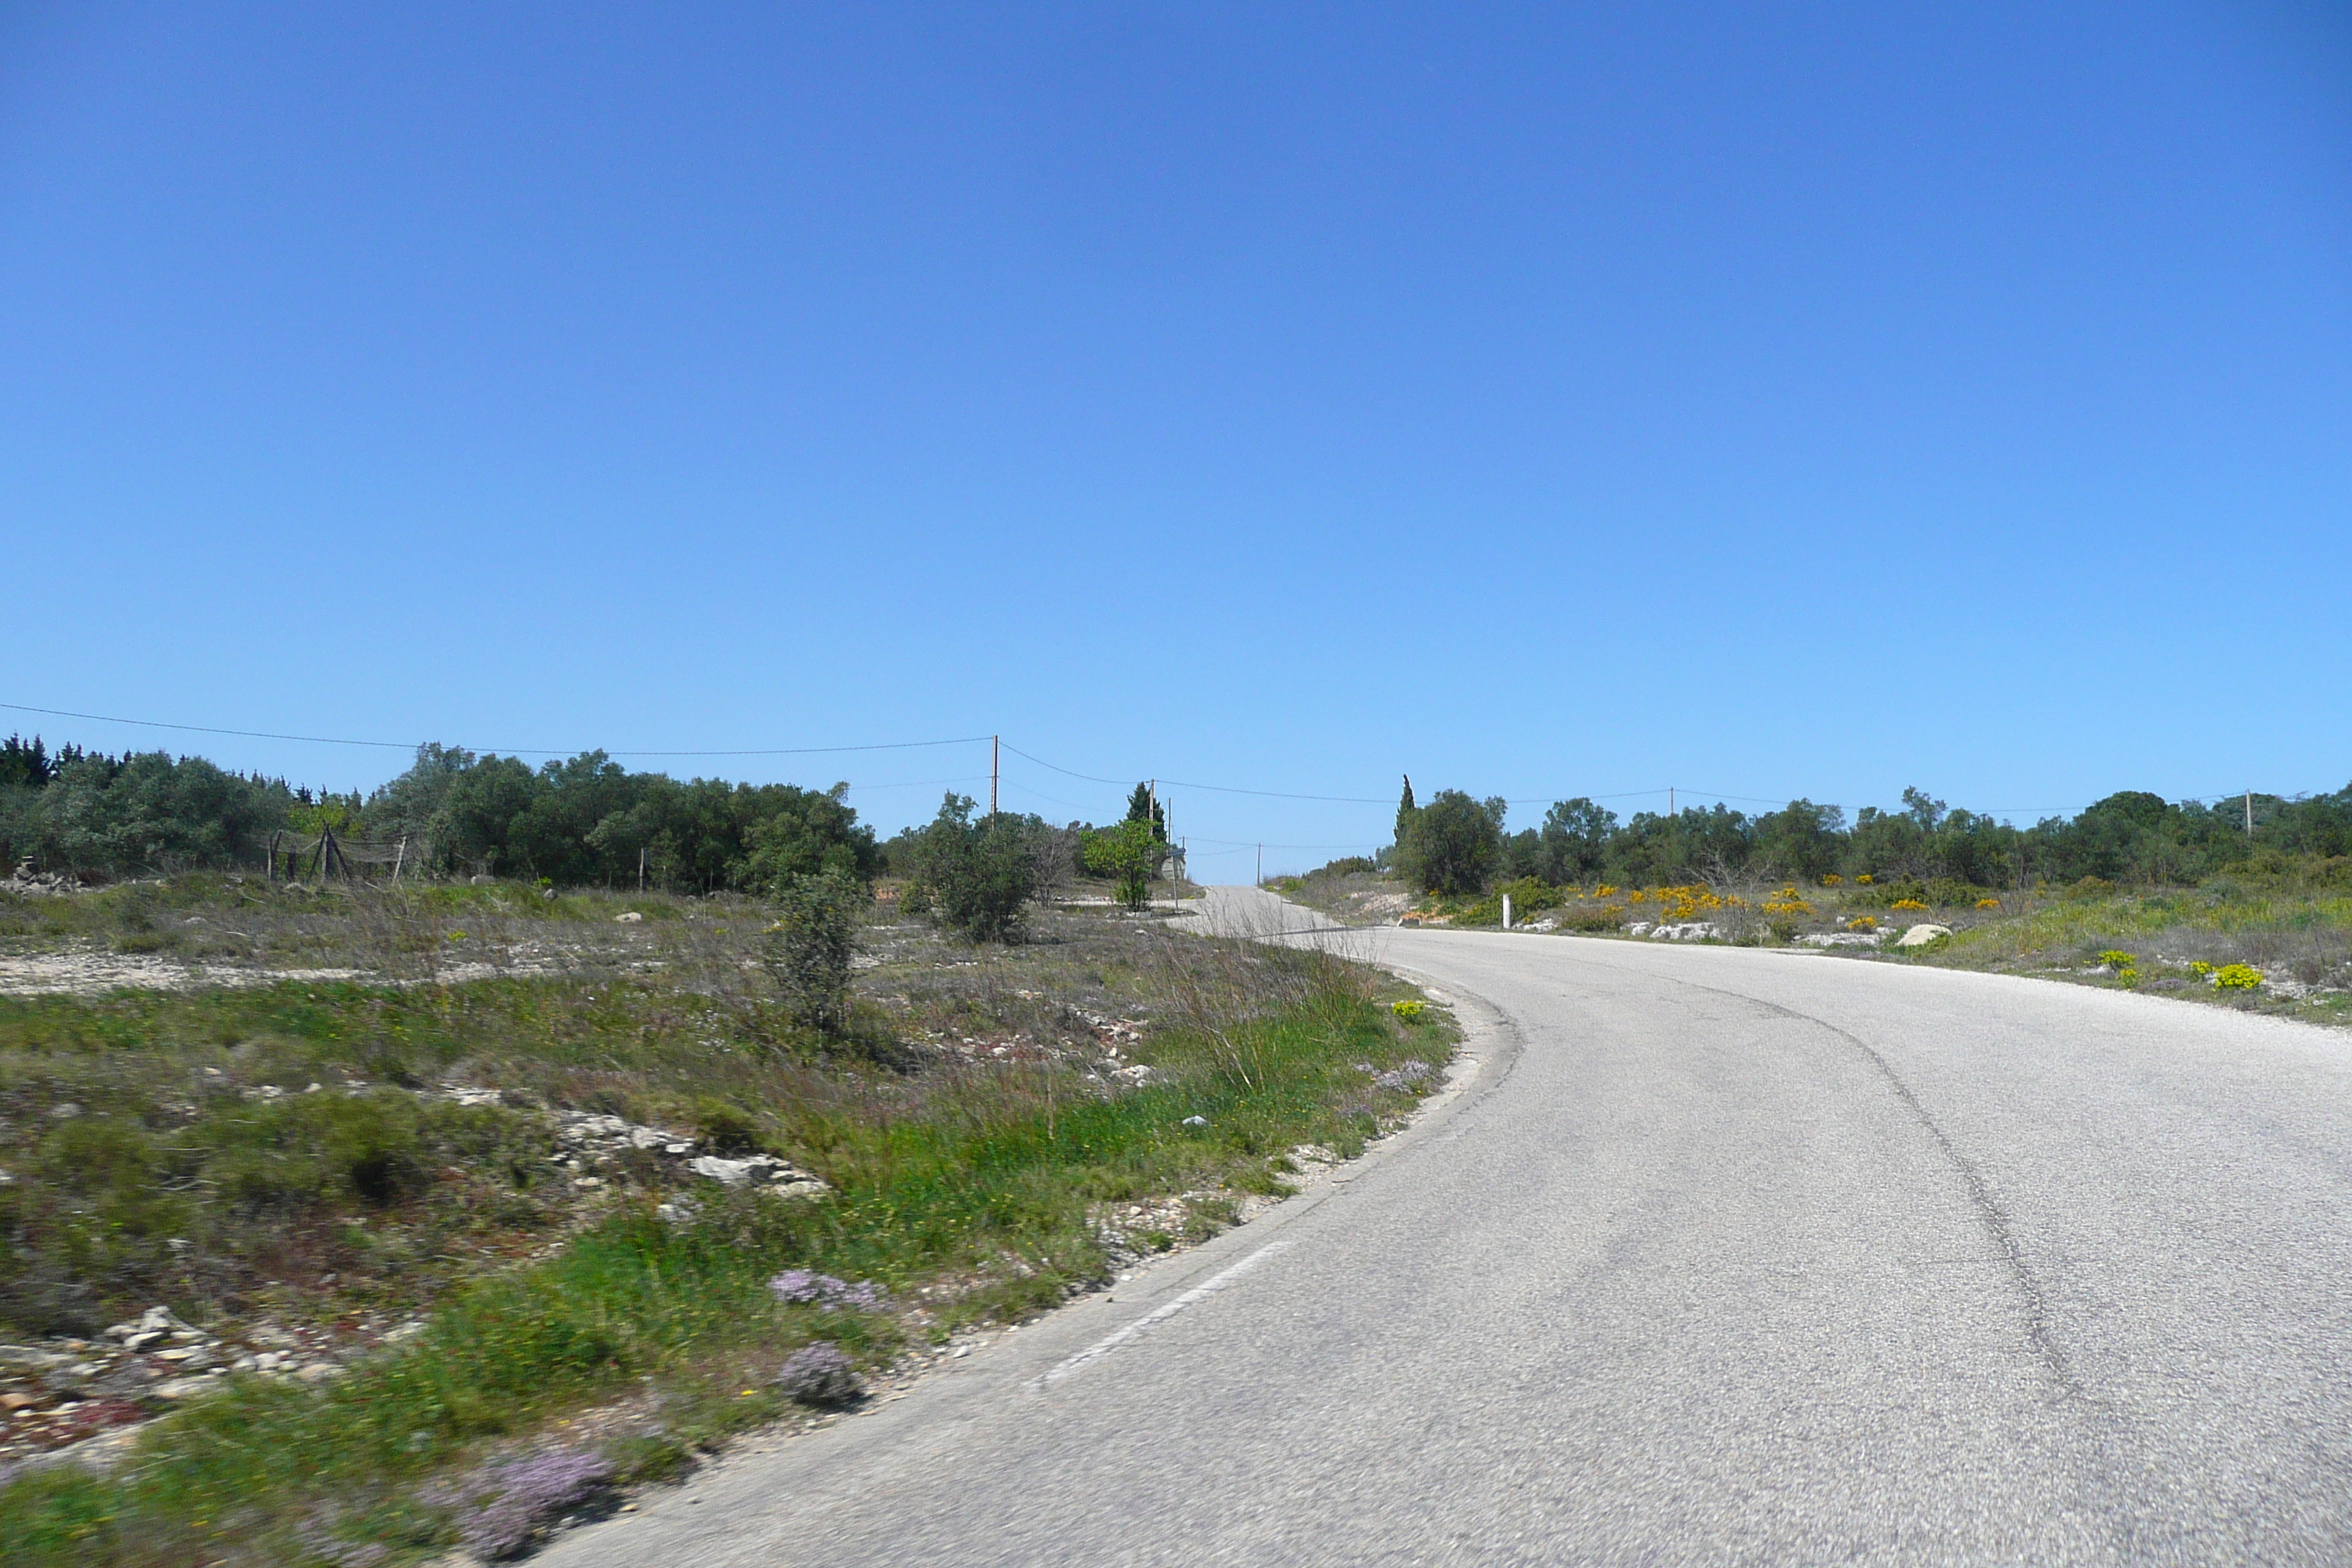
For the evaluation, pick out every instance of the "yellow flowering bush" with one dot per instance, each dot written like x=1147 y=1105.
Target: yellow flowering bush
x=1863 y=922
x=1833 y=880
x=1906 y=904
x=1788 y=907
x=2200 y=968
x=1409 y=1012
x=2237 y=977
x=1988 y=903
x=1865 y=878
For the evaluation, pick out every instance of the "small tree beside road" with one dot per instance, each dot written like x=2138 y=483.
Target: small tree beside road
x=808 y=950
x=1129 y=854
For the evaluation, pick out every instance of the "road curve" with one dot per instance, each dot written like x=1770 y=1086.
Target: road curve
x=1721 y=1256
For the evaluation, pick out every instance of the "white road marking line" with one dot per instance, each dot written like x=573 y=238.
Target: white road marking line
x=1159 y=1314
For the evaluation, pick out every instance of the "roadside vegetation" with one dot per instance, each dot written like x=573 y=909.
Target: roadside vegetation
x=374 y=1220
x=2180 y=899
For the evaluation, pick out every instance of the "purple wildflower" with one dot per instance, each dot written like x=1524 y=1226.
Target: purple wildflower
x=819 y=1374
x=803 y=1288
x=527 y=1493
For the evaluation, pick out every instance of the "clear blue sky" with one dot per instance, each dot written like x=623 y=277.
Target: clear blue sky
x=1543 y=400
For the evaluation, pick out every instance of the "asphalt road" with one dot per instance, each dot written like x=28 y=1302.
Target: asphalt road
x=1714 y=1255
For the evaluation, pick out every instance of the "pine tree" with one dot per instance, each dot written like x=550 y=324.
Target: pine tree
x=1141 y=808
x=1405 y=810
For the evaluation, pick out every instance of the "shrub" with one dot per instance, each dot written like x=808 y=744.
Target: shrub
x=510 y=1503
x=1988 y=903
x=1907 y=904
x=1454 y=844
x=809 y=949
x=2237 y=977
x=1409 y=1012
x=801 y=1288
x=819 y=1374
x=727 y=1129
x=1528 y=897
x=978 y=876
x=1129 y=854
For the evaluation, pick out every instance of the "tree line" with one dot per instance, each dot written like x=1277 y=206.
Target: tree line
x=1456 y=843
x=582 y=822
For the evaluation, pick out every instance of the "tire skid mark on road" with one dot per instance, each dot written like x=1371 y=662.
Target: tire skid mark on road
x=1993 y=1219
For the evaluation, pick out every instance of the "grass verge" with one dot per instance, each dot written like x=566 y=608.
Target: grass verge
x=970 y=1155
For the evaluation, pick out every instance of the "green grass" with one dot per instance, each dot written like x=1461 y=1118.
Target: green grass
x=2298 y=938
x=966 y=1185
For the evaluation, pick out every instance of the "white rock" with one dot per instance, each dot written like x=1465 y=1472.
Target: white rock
x=181 y=1388
x=1135 y=1077
x=630 y=918
x=1922 y=934
x=804 y=1186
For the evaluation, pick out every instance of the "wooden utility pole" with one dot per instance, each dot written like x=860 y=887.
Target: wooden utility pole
x=2250 y=814
x=399 y=859
x=1261 y=864
x=995 y=746
x=641 y=868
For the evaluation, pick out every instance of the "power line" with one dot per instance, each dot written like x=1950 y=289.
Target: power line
x=1191 y=784
x=965 y=741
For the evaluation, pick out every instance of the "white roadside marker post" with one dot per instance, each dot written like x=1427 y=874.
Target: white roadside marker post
x=1507 y=911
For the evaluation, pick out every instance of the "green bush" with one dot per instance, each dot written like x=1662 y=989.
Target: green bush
x=1128 y=854
x=1453 y=844
x=979 y=878
x=808 y=950
x=1528 y=897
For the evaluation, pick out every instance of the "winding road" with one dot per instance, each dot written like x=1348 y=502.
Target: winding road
x=1707 y=1255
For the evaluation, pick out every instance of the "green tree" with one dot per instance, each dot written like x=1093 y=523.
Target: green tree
x=1455 y=844
x=1573 y=840
x=473 y=823
x=1129 y=855
x=1141 y=807
x=803 y=832
x=808 y=951
x=978 y=876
